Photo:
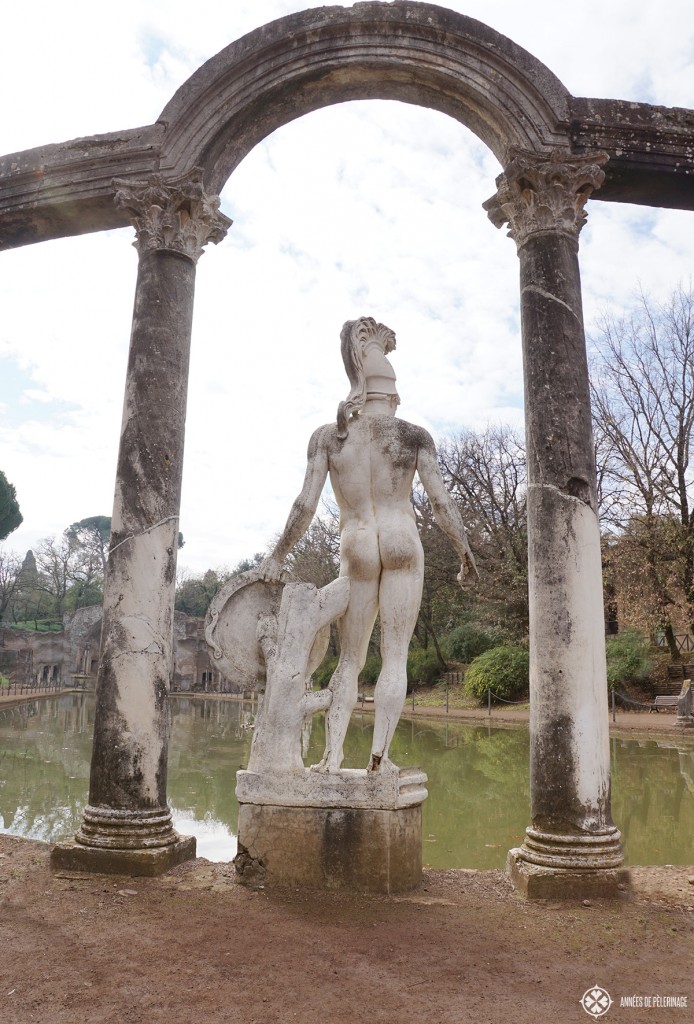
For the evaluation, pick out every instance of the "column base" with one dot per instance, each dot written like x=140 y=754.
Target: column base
x=357 y=849
x=73 y=856
x=684 y=722
x=556 y=883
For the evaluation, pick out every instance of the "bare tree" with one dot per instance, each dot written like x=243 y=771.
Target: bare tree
x=92 y=534
x=316 y=558
x=642 y=390
x=10 y=571
x=486 y=473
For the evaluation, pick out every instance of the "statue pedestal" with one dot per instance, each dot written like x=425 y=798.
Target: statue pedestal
x=344 y=830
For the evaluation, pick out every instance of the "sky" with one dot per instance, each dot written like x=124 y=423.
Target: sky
x=366 y=208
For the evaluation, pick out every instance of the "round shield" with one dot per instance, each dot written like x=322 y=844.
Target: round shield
x=231 y=626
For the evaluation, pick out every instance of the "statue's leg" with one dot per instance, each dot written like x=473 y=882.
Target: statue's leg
x=399 y=599
x=355 y=628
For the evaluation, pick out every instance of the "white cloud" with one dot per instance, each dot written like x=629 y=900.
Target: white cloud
x=364 y=208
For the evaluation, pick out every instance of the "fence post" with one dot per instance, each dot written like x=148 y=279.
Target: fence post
x=489 y=702
x=413 y=697
x=446 y=695
x=614 y=706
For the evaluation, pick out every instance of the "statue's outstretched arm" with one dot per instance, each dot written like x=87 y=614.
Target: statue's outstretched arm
x=445 y=509
x=304 y=507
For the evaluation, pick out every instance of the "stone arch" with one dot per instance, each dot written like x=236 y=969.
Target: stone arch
x=416 y=53
x=552 y=148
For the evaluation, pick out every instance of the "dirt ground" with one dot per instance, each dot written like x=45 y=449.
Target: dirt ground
x=195 y=946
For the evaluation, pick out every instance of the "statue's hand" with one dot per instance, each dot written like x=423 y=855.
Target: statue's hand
x=270 y=569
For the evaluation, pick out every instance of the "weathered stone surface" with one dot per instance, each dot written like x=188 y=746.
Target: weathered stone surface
x=131 y=725
x=175 y=215
x=376 y=851
x=371 y=458
x=231 y=626
x=569 y=740
x=350 y=787
x=417 y=53
x=72 y=856
x=288 y=640
x=127 y=790
x=685 y=707
x=540 y=883
x=538 y=195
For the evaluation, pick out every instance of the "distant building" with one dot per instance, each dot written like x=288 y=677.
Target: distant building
x=71 y=657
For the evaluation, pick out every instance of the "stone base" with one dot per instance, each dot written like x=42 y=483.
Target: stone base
x=377 y=851
x=349 y=787
x=682 y=722
x=72 y=856
x=541 y=883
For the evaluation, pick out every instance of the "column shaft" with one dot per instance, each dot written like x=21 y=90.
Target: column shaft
x=130 y=738
x=126 y=826
x=569 y=758
x=572 y=845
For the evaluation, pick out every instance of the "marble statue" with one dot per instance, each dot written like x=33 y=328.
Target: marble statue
x=371 y=458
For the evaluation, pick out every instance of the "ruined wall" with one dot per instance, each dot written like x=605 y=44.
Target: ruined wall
x=27 y=657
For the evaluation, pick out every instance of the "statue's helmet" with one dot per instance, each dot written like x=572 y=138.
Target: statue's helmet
x=364 y=346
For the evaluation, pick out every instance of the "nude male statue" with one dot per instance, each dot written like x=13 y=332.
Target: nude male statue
x=371 y=458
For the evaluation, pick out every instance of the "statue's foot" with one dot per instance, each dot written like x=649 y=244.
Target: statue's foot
x=382 y=765
x=326 y=766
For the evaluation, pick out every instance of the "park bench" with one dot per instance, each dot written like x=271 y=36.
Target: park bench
x=664 y=700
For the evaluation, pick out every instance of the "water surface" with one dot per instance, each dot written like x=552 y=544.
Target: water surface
x=479 y=791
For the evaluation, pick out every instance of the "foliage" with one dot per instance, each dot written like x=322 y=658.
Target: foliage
x=486 y=475
x=10 y=515
x=627 y=657
x=369 y=673
x=503 y=670
x=40 y=625
x=324 y=672
x=468 y=641
x=194 y=592
x=316 y=557
x=642 y=387
x=10 y=569
x=442 y=598
x=423 y=667
x=92 y=535
x=4 y=681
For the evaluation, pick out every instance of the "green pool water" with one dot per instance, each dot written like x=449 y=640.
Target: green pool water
x=479 y=793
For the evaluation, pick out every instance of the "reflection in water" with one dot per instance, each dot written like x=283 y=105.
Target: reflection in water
x=479 y=794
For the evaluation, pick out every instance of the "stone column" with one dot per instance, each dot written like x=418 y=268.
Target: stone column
x=572 y=846
x=126 y=826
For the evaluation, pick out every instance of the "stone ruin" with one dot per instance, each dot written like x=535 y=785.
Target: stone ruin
x=556 y=151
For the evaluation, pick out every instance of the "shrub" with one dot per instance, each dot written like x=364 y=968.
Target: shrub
x=503 y=670
x=4 y=681
x=324 y=672
x=370 y=671
x=467 y=642
x=627 y=657
x=423 y=667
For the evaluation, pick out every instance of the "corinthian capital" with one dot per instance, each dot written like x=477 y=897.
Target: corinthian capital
x=174 y=213
x=538 y=194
